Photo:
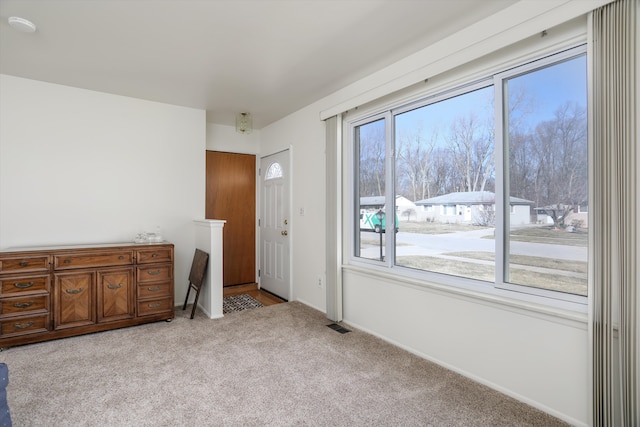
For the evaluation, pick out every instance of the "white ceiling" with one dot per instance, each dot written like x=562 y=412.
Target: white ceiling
x=268 y=57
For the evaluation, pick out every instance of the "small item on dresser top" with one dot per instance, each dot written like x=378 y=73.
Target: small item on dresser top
x=157 y=236
x=154 y=238
x=148 y=237
x=141 y=238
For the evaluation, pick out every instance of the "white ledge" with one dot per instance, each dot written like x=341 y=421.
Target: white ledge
x=219 y=223
x=208 y=238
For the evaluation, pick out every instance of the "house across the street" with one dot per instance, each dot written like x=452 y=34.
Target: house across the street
x=472 y=207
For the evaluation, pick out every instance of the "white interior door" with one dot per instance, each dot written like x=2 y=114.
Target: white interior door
x=274 y=224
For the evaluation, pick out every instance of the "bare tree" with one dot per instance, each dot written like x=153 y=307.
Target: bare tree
x=443 y=173
x=523 y=163
x=413 y=164
x=408 y=212
x=561 y=176
x=371 y=149
x=485 y=215
x=558 y=213
x=472 y=152
x=520 y=144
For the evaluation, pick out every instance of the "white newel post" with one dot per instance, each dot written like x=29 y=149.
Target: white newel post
x=208 y=236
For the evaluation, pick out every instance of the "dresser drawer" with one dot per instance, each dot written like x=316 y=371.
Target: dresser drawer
x=92 y=259
x=24 y=325
x=154 y=256
x=24 y=305
x=154 y=290
x=24 y=264
x=24 y=284
x=155 y=306
x=154 y=273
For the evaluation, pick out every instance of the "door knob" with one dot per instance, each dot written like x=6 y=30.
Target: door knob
x=284 y=232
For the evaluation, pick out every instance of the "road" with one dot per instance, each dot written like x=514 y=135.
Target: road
x=471 y=241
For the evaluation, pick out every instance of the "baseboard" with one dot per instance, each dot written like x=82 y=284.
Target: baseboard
x=312 y=306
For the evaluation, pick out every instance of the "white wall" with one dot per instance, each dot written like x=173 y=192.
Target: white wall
x=304 y=133
x=225 y=138
x=78 y=166
x=538 y=356
x=539 y=359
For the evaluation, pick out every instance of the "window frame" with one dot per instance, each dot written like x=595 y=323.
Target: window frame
x=498 y=287
x=501 y=236
x=355 y=204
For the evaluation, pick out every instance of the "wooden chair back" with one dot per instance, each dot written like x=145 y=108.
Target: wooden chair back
x=198 y=268
x=196 y=277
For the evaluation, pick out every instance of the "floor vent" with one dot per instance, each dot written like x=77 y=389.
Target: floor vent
x=338 y=328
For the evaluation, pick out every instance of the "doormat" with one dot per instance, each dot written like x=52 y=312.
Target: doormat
x=238 y=303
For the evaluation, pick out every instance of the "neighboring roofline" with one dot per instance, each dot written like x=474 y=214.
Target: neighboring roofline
x=469 y=198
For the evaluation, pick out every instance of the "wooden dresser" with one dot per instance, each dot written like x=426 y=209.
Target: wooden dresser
x=62 y=291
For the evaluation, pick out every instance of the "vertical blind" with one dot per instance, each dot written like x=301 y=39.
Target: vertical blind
x=614 y=208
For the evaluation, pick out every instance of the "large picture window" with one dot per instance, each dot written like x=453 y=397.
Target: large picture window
x=490 y=182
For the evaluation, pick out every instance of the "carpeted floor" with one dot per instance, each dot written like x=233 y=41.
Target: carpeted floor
x=273 y=366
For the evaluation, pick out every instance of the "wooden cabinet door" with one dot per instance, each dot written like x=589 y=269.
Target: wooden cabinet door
x=73 y=299
x=231 y=196
x=115 y=295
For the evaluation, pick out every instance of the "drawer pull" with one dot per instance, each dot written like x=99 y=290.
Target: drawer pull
x=24 y=264
x=156 y=305
x=154 y=255
x=74 y=291
x=155 y=288
x=110 y=286
x=121 y=257
x=23 y=304
x=153 y=273
x=23 y=325
x=23 y=285
x=67 y=261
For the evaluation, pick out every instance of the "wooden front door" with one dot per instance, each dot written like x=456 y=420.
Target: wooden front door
x=231 y=196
